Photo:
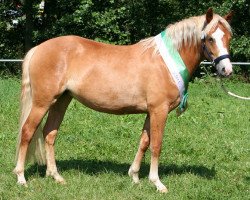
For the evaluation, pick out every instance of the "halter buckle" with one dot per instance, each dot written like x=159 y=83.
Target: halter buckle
x=203 y=35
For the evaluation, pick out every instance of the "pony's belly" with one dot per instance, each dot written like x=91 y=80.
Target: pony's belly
x=107 y=92
x=112 y=105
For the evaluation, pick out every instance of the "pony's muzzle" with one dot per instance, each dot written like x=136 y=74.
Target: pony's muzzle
x=227 y=72
x=224 y=68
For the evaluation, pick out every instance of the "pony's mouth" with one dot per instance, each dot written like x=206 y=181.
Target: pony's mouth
x=224 y=74
x=224 y=68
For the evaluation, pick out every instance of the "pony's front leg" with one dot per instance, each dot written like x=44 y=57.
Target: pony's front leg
x=143 y=146
x=158 y=117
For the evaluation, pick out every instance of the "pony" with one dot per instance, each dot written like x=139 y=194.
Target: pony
x=126 y=79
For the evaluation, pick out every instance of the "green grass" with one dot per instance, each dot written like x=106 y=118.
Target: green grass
x=205 y=152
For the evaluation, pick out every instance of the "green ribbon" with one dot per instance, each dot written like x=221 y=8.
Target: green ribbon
x=181 y=68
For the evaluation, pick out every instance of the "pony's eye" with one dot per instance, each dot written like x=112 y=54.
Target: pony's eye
x=211 y=40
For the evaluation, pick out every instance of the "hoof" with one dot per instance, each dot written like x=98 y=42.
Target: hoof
x=134 y=176
x=62 y=182
x=59 y=179
x=22 y=183
x=160 y=187
x=164 y=190
x=20 y=177
x=56 y=176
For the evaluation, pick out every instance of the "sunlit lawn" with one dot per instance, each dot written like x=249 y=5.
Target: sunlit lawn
x=205 y=152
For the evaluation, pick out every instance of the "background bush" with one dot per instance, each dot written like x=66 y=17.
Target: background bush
x=111 y=21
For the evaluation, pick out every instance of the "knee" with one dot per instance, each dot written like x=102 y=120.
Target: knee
x=50 y=138
x=155 y=150
x=144 y=141
x=26 y=135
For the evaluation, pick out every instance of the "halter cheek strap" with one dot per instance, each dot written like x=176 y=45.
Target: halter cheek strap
x=205 y=49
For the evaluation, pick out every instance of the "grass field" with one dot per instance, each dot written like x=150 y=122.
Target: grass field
x=205 y=155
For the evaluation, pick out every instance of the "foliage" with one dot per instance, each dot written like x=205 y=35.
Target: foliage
x=115 y=21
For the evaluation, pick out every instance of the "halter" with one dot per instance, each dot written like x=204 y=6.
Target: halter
x=205 y=49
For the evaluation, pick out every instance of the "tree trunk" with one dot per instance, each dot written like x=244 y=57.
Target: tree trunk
x=28 y=25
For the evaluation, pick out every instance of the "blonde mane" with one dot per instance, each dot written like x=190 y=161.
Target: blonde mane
x=188 y=31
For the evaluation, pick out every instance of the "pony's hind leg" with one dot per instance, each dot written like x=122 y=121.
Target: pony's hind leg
x=55 y=117
x=143 y=146
x=27 y=131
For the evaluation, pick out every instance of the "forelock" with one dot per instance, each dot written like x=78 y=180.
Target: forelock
x=217 y=19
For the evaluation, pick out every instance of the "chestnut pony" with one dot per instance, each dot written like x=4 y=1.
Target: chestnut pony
x=113 y=79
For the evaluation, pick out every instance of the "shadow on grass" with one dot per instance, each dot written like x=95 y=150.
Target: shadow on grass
x=94 y=167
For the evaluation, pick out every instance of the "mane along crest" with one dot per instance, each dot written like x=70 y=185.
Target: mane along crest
x=188 y=31
x=185 y=32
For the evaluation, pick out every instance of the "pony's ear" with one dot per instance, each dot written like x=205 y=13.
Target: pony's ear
x=209 y=15
x=229 y=16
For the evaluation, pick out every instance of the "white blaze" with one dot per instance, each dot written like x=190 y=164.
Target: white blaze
x=225 y=63
x=218 y=35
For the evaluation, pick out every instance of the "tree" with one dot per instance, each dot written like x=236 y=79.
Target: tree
x=112 y=21
x=28 y=11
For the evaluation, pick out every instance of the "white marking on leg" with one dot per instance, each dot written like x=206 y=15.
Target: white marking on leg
x=154 y=177
x=143 y=146
x=134 y=174
x=20 y=176
x=51 y=166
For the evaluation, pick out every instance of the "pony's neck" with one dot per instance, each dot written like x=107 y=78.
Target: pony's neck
x=191 y=56
x=186 y=37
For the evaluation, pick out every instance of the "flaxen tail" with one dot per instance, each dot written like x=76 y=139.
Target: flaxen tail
x=36 y=151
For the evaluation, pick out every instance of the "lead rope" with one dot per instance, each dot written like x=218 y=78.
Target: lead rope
x=231 y=93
